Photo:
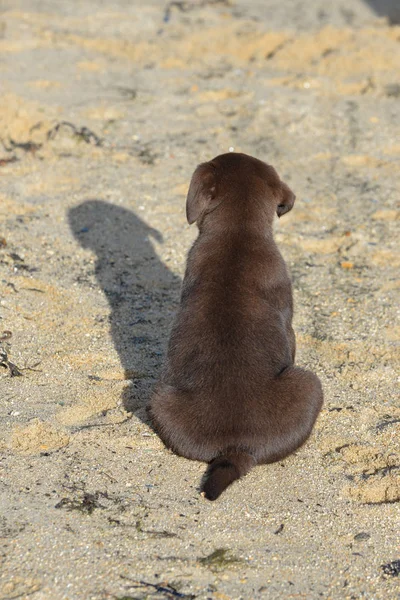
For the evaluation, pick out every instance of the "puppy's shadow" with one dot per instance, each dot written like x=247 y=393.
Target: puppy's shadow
x=141 y=291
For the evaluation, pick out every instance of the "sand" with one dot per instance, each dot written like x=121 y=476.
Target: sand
x=105 y=110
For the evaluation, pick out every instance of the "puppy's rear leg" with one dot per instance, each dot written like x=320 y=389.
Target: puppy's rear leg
x=292 y=341
x=298 y=398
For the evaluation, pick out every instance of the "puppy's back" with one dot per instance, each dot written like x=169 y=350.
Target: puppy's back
x=230 y=327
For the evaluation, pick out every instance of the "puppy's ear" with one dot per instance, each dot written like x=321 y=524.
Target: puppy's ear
x=286 y=199
x=202 y=192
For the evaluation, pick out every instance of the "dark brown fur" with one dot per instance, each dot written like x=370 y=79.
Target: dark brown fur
x=229 y=393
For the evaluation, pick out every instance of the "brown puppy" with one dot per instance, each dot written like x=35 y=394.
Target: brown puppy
x=229 y=394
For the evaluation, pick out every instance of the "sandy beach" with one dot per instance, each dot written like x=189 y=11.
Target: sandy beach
x=106 y=108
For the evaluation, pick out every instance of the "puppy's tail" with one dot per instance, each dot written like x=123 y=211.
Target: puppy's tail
x=224 y=470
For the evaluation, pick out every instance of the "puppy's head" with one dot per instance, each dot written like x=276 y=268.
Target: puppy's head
x=247 y=185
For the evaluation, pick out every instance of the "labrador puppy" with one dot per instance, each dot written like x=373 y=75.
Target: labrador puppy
x=229 y=393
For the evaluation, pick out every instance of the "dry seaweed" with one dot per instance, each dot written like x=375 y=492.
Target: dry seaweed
x=5 y=362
